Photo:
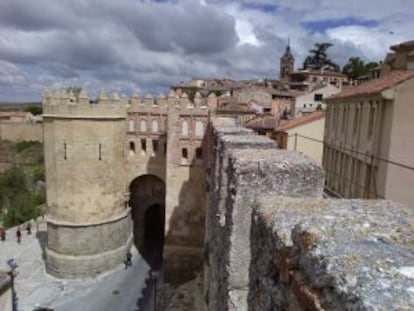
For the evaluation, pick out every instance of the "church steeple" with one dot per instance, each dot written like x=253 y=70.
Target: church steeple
x=287 y=63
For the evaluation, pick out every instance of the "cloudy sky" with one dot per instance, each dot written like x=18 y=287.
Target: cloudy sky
x=145 y=46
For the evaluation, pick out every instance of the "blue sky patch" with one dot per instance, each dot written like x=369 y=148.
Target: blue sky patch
x=268 y=8
x=323 y=25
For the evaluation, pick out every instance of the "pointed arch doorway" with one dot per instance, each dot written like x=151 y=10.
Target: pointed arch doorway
x=147 y=201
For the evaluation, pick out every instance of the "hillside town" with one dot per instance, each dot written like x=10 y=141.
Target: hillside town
x=286 y=192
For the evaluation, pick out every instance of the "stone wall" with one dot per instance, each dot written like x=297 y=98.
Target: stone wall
x=21 y=131
x=273 y=242
x=315 y=254
x=245 y=167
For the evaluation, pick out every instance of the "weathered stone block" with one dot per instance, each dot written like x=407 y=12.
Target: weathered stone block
x=317 y=254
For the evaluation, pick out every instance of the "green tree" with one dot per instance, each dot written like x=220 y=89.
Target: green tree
x=318 y=58
x=356 y=67
x=35 y=110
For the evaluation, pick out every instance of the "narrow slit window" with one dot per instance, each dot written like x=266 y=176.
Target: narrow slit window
x=155 y=145
x=165 y=148
x=199 y=153
x=184 y=153
x=143 y=145
x=100 y=152
x=64 y=151
x=132 y=146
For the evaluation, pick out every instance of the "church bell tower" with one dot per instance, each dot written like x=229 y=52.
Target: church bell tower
x=287 y=63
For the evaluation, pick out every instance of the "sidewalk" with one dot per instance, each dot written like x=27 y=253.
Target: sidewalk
x=36 y=288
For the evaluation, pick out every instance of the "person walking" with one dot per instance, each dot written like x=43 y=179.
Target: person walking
x=18 y=235
x=29 y=228
x=128 y=261
x=3 y=234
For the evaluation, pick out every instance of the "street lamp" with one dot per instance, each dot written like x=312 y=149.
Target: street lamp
x=13 y=266
x=154 y=277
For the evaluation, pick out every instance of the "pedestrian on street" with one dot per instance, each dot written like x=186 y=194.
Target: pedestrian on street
x=3 y=234
x=29 y=228
x=128 y=261
x=18 y=235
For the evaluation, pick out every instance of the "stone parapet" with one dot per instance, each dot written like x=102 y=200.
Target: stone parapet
x=64 y=104
x=315 y=254
x=244 y=167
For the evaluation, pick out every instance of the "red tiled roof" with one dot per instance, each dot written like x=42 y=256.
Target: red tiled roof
x=288 y=124
x=9 y=114
x=376 y=86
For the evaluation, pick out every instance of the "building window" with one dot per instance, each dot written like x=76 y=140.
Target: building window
x=155 y=145
x=144 y=145
x=356 y=119
x=131 y=126
x=318 y=97
x=184 y=153
x=268 y=110
x=184 y=129
x=199 y=153
x=371 y=120
x=154 y=126
x=143 y=126
x=199 y=129
x=132 y=146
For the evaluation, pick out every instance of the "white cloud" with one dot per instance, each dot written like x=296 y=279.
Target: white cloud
x=148 y=45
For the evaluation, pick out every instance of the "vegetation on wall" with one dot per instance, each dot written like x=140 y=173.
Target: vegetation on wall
x=22 y=187
x=35 y=110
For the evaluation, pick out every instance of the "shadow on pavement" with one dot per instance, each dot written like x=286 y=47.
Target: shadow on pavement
x=41 y=237
x=146 y=302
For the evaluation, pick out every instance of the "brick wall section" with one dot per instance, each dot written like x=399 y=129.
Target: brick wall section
x=243 y=168
x=315 y=254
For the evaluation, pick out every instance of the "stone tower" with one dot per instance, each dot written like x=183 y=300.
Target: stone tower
x=287 y=63
x=88 y=219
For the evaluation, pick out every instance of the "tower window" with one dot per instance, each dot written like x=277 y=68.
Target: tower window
x=184 y=153
x=184 y=129
x=155 y=145
x=132 y=146
x=199 y=153
x=144 y=145
x=165 y=148
x=64 y=151
x=318 y=97
x=100 y=152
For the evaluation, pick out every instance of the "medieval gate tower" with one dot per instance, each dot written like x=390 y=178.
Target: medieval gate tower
x=89 y=228
x=122 y=171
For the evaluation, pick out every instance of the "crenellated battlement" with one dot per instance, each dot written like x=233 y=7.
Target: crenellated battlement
x=64 y=103
x=178 y=101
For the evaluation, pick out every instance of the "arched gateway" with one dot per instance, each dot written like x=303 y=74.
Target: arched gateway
x=147 y=201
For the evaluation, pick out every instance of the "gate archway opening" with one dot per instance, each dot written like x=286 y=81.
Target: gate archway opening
x=147 y=201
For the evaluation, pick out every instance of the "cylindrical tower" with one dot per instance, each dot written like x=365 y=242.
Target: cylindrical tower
x=88 y=220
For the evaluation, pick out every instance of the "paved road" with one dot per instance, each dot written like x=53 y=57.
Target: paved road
x=122 y=290
x=118 y=290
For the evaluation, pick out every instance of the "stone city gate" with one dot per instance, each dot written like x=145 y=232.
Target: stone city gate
x=147 y=201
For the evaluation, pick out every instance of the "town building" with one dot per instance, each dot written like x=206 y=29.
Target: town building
x=368 y=132
x=313 y=100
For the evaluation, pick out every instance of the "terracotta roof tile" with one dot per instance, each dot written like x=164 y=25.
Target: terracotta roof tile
x=9 y=114
x=288 y=124
x=376 y=86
